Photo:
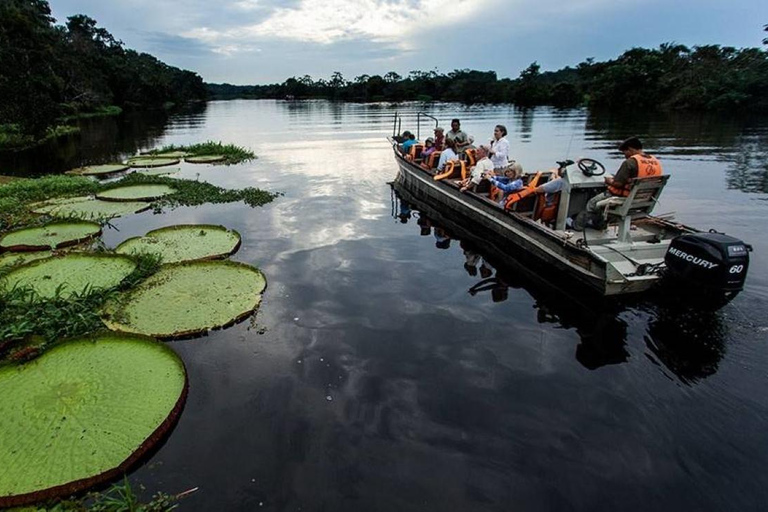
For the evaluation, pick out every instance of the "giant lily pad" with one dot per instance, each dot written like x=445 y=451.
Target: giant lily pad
x=205 y=159
x=184 y=243
x=89 y=208
x=83 y=413
x=98 y=170
x=147 y=161
x=158 y=171
x=135 y=193
x=53 y=236
x=183 y=299
x=14 y=259
x=70 y=274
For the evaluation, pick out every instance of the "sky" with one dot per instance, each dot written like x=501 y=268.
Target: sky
x=248 y=42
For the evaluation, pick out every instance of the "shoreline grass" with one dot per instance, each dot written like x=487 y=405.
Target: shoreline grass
x=13 y=139
x=108 y=111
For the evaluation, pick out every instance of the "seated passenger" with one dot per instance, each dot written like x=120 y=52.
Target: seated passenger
x=479 y=170
x=447 y=154
x=510 y=182
x=429 y=148
x=410 y=140
x=637 y=164
x=439 y=139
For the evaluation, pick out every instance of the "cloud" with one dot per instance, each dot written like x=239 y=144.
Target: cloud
x=334 y=21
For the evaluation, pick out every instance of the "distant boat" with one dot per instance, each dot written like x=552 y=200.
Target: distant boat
x=635 y=253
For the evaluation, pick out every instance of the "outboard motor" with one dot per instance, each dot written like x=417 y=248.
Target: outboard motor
x=713 y=263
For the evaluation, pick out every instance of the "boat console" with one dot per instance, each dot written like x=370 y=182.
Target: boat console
x=578 y=188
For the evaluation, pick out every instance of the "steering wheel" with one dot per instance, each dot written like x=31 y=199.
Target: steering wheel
x=591 y=167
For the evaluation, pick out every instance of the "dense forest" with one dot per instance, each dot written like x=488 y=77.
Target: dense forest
x=49 y=72
x=669 y=77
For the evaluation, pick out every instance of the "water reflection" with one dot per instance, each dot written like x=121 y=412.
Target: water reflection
x=100 y=140
x=686 y=342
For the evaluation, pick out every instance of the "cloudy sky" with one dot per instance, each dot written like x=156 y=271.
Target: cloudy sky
x=265 y=41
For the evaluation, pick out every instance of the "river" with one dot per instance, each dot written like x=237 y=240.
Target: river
x=372 y=380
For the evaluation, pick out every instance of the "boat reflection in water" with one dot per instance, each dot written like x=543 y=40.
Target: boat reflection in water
x=687 y=342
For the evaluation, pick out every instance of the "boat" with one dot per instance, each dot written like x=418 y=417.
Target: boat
x=634 y=254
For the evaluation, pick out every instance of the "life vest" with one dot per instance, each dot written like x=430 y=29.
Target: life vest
x=471 y=156
x=647 y=166
x=432 y=160
x=521 y=194
x=452 y=169
x=415 y=151
x=547 y=213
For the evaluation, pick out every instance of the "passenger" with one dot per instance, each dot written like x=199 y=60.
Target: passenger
x=429 y=148
x=455 y=131
x=447 y=155
x=410 y=140
x=479 y=170
x=439 y=139
x=637 y=164
x=510 y=182
x=499 y=151
x=463 y=143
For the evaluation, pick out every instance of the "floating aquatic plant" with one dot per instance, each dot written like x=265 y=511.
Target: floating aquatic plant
x=98 y=170
x=83 y=413
x=205 y=159
x=49 y=236
x=148 y=161
x=184 y=243
x=89 y=208
x=146 y=192
x=234 y=154
x=73 y=273
x=184 y=299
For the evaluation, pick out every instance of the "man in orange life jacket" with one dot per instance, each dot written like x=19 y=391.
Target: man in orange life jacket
x=636 y=165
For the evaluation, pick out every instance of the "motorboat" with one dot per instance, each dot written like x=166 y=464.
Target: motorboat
x=633 y=251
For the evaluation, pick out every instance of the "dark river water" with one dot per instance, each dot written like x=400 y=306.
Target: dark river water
x=382 y=374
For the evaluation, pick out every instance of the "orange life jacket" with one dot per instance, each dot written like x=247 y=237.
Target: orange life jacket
x=452 y=169
x=647 y=166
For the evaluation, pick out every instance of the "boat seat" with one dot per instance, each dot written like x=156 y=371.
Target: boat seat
x=643 y=195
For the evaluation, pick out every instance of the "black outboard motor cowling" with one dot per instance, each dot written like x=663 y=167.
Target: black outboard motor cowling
x=712 y=262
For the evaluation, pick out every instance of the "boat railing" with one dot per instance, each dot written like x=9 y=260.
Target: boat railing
x=418 y=123
x=397 y=124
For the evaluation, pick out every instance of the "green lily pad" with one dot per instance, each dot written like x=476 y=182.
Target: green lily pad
x=136 y=193
x=53 y=236
x=158 y=171
x=14 y=259
x=88 y=208
x=145 y=161
x=70 y=274
x=83 y=413
x=183 y=299
x=184 y=243
x=205 y=159
x=167 y=154
x=98 y=170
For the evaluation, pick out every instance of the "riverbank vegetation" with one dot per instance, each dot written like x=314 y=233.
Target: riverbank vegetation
x=670 y=77
x=56 y=73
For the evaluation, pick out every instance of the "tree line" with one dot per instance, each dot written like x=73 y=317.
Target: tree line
x=49 y=71
x=672 y=76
